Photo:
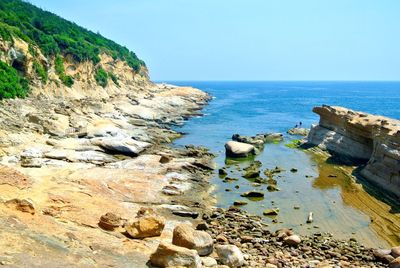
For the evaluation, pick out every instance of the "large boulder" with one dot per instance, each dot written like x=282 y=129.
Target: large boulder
x=168 y=255
x=239 y=149
x=147 y=226
x=186 y=236
x=230 y=255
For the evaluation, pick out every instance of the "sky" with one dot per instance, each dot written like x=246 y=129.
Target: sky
x=249 y=40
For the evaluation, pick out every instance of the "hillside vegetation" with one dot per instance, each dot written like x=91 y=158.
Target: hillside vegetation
x=56 y=38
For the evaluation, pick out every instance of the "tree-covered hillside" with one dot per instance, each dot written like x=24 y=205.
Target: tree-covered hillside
x=55 y=35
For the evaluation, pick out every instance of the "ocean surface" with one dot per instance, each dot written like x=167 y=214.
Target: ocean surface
x=249 y=108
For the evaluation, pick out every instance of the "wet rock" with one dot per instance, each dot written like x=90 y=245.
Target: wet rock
x=183 y=213
x=147 y=226
x=272 y=188
x=202 y=226
x=310 y=218
x=292 y=240
x=186 y=236
x=230 y=255
x=240 y=203
x=252 y=194
x=238 y=149
x=271 y=212
x=293 y=170
x=22 y=205
x=110 y=221
x=222 y=172
x=168 y=255
x=208 y=262
x=298 y=131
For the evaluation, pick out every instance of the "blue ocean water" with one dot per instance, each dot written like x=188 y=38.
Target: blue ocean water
x=249 y=108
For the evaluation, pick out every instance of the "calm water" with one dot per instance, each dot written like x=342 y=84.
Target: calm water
x=249 y=108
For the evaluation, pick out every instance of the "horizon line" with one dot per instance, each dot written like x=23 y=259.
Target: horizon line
x=202 y=80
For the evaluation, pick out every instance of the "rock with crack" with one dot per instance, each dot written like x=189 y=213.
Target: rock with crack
x=126 y=146
x=110 y=221
x=185 y=236
x=148 y=226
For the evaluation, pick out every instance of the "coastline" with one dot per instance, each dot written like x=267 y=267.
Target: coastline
x=70 y=193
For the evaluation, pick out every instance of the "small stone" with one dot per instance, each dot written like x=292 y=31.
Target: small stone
x=222 y=172
x=271 y=212
x=230 y=255
x=110 y=221
x=221 y=239
x=202 y=226
x=246 y=239
x=292 y=240
x=208 y=262
x=293 y=170
x=164 y=159
x=239 y=203
x=383 y=255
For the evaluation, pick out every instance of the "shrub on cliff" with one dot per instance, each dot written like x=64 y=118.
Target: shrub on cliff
x=101 y=77
x=11 y=83
x=60 y=71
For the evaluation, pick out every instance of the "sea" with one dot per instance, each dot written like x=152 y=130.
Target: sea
x=249 y=108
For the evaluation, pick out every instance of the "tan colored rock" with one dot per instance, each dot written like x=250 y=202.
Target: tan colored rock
x=148 y=226
x=110 y=221
x=185 y=236
x=395 y=263
x=395 y=251
x=370 y=139
x=230 y=255
x=168 y=255
x=239 y=149
x=21 y=205
x=292 y=240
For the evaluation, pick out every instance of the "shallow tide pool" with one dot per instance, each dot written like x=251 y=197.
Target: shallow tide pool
x=249 y=108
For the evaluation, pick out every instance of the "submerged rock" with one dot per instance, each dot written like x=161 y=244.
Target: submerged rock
x=252 y=194
x=271 y=212
x=298 y=131
x=238 y=149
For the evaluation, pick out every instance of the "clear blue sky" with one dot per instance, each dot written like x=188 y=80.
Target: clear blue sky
x=249 y=40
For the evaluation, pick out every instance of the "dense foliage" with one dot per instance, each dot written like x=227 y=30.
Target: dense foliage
x=101 y=77
x=59 y=66
x=54 y=35
x=11 y=83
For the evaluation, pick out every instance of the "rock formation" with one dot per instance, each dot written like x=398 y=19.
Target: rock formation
x=369 y=139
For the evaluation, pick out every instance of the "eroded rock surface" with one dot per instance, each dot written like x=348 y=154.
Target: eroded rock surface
x=369 y=139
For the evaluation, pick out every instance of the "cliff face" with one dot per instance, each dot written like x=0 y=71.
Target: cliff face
x=373 y=140
x=18 y=54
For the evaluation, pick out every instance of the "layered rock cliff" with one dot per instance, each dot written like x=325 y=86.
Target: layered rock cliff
x=370 y=140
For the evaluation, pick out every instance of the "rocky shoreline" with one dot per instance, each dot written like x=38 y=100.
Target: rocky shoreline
x=95 y=182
